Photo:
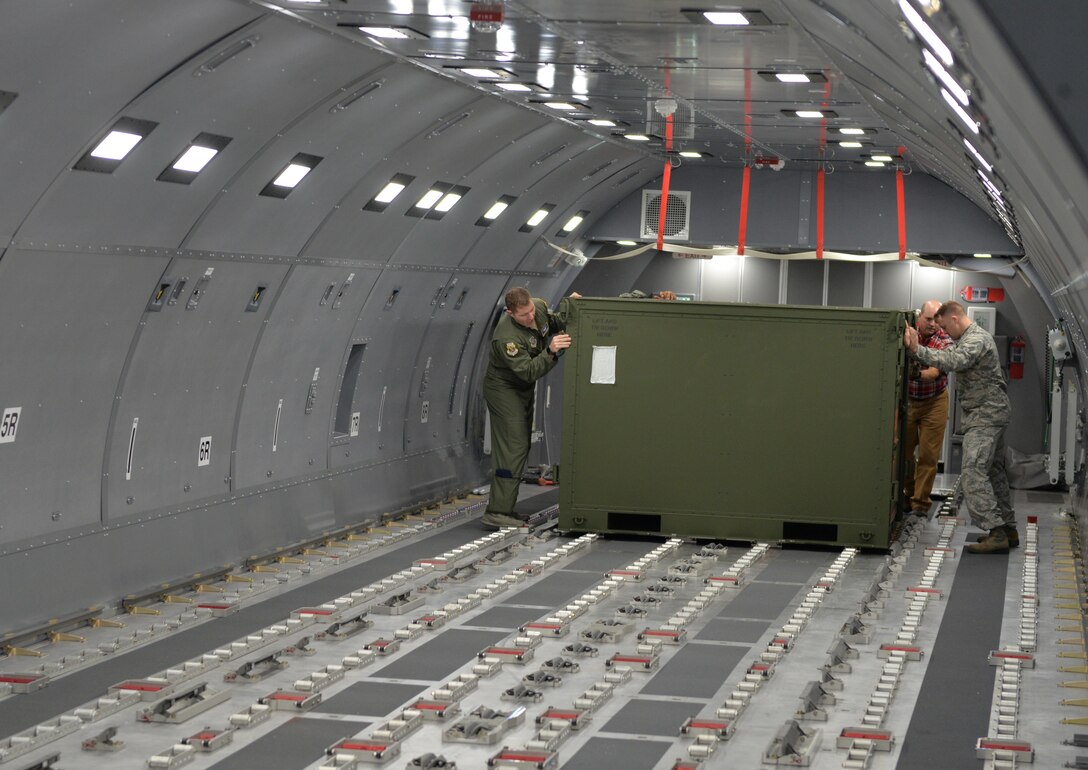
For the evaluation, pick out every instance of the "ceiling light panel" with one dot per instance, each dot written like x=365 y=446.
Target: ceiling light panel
x=290 y=176
x=110 y=149
x=774 y=76
x=738 y=18
x=389 y=192
x=495 y=210
x=437 y=201
x=537 y=218
x=926 y=33
x=573 y=223
x=194 y=158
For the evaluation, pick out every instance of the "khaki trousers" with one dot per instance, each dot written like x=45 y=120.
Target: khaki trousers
x=926 y=421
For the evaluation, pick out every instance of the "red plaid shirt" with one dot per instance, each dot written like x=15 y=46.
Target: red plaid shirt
x=921 y=389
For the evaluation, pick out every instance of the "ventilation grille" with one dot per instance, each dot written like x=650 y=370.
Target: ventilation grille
x=677 y=214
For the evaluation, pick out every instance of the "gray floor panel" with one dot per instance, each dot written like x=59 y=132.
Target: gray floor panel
x=729 y=630
x=505 y=617
x=696 y=670
x=441 y=656
x=77 y=688
x=557 y=588
x=616 y=754
x=609 y=555
x=958 y=685
x=795 y=567
x=652 y=717
x=297 y=743
x=762 y=601
x=370 y=699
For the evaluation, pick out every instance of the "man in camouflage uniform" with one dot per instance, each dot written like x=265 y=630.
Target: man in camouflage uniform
x=524 y=347
x=980 y=386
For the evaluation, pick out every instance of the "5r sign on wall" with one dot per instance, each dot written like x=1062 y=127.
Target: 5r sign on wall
x=9 y=424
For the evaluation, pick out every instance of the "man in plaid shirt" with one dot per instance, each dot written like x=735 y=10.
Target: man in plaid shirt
x=927 y=413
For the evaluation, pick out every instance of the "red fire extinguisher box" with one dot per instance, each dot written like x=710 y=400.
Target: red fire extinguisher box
x=1017 y=348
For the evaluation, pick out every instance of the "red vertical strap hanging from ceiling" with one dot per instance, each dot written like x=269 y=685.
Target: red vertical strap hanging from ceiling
x=742 y=228
x=901 y=211
x=665 y=185
x=820 y=213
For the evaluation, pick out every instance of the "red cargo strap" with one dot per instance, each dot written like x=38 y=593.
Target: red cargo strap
x=665 y=185
x=742 y=228
x=820 y=213
x=902 y=213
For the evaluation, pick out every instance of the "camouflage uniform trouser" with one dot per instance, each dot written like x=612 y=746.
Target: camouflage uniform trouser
x=983 y=480
x=511 y=428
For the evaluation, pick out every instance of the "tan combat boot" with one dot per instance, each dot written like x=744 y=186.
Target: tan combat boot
x=995 y=542
x=1010 y=532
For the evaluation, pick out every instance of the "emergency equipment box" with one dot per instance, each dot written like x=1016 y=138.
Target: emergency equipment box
x=733 y=421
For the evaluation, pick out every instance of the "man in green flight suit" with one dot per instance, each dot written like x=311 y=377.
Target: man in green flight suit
x=524 y=347
x=980 y=387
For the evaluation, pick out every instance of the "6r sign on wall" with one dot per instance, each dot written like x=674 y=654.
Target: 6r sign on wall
x=9 y=424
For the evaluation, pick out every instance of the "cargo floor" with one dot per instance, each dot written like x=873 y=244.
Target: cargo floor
x=736 y=645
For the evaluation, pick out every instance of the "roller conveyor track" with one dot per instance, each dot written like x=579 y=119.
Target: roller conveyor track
x=820 y=656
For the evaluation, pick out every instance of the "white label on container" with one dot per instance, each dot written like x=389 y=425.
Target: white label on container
x=603 y=370
x=355 y=423
x=204 y=454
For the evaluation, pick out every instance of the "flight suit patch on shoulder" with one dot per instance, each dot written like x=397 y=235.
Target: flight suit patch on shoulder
x=511 y=349
x=532 y=342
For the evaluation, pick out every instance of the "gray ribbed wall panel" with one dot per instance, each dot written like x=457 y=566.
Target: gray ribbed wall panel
x=69 y=91
x=67 y=322
x=308 y=328
x=182 y=384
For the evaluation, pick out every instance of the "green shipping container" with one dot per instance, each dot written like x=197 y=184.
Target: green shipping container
x=733 y=421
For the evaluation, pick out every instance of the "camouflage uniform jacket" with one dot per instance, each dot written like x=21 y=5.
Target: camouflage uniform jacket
x=980 y=383
x=519 y=356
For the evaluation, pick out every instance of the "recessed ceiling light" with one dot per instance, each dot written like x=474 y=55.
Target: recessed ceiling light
x=448 y=201
x=495 y=211
x=572 y=223
x=626 y=243
x=513 y=87
x=690 y=154
x=792 y=77
x=926 y=32
x=982 y=256
x=850 y=144
x=291 y=175
x=961 y=113
x=883 y=158
x=116 y=145
x=809 y=113
x=387 y=33
x=729 y=18
x=637 y=137
x=852 y=131
x=389 y=192
x=429 y=199
x=942 y=74
x=295 y=171
x=978 y=156
x=481 y=72
x=874 y=164
x=601 y=122
x=539 y=216
x=989 y=185
x=564 y=106
x=194 y=158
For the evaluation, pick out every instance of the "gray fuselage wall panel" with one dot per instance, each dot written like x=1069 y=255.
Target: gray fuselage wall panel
x=395 y=118
x=70 y=91
x=183 y=384
x=395 y=331
x=443 y=369
x=68 y=322
x=72 y=575
x=277 y=438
